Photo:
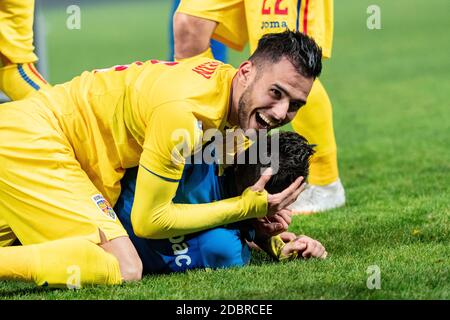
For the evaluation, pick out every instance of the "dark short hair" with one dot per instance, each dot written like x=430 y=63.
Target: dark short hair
x=293 y=156
x=302 y=51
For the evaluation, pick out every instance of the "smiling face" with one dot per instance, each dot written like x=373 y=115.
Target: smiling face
x=274 y=94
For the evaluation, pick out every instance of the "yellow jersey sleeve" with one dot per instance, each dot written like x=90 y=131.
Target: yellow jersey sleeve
x=155 y=216
x=173 y=133
x=273 y=246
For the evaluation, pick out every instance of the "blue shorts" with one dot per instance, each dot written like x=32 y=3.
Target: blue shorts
x=220 y=247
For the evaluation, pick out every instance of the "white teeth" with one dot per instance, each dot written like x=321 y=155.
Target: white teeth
x=266 y=120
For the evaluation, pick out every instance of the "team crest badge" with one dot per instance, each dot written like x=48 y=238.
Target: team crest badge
x=104 y=206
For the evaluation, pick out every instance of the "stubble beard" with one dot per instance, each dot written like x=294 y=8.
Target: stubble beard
x=243 y=108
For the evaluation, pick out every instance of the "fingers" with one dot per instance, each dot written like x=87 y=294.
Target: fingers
x=292 y=188
x=293 y=246
x=293 y=197
x=267 y=228
x=282 y=216
x=290 y=194
x=261 y=183
x=281 y=221
x=306 y=248
x=324 y=255
x=288 y=236
x=273 y=228
x=314 y=249
x=283 y=199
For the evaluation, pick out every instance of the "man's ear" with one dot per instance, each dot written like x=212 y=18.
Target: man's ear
x=246 y=73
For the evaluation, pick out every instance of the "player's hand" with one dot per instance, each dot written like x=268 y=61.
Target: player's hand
x=306 y=248
x=288 y=236
x=278 y=203
x=282 y=219
x=271 y=226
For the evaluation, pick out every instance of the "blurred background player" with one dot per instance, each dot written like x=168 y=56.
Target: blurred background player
x=236 y=22
x=18 y=75
x=219 y=50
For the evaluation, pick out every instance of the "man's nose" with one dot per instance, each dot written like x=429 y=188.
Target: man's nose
x=280 y=110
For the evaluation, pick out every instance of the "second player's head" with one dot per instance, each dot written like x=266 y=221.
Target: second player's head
x=276 y=80
x=291 y=156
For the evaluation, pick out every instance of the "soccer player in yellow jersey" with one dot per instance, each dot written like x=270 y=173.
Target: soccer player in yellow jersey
x=64 y=151
x=236 y=22
x=18 y=75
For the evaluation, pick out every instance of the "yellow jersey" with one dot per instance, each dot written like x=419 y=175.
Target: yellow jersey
x=242 y=21
x=311 y=17
x=119 y=117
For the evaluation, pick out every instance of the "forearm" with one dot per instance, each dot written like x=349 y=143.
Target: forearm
x=155 y=216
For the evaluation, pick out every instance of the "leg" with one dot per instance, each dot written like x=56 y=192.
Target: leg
x=46 y=196
x=218 y=49
x=191 y=35
x=223 y=248
x=18 y=75
x=195 y=24
x=215 y=248
x=71 y=262
x=130 y=264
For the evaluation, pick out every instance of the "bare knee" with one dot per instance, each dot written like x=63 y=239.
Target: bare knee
x=192 y=35
x=130 y=263
x=131 y=270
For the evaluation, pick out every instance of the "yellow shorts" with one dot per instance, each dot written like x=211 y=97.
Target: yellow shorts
x=229 y=14
x=44 y=193
x=242 y=20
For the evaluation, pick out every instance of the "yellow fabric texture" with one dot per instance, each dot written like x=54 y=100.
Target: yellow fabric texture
x=114 y=117
x=44 y=194
x=315 y=122
x=16 y=30
x=19 y=81
x=155 y=216
x=205 y=54
x=230 y=15
x=274 y=246
x=72 y=263
x=313 y=17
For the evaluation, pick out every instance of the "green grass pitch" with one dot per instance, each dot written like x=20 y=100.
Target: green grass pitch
x=390 y=93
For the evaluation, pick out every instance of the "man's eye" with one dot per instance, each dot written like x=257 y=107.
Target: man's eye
x=275 y=93
x=295 y=106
